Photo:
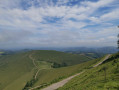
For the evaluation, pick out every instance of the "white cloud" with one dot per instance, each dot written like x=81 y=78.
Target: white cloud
x=68 y=30
x=100 y=3
x=111 y=15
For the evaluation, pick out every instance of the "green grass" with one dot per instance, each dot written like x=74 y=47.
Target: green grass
x=17 y=69
x=94 y=79
x=19 y=83
x=43 y=65
x=50 y=76
x=14 y=67
x=60 y=57
x=98 y=60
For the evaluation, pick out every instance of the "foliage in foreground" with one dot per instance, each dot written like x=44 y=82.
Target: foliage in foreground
x=103 y=77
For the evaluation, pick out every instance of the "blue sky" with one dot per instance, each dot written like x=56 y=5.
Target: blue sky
x=58 y=23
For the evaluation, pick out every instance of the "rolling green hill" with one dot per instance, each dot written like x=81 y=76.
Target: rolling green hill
x=103 y=77
x=48 y=77
x=17 y=69
x=59 y=57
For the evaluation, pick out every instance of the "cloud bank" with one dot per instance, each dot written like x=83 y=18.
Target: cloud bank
x=58 y=23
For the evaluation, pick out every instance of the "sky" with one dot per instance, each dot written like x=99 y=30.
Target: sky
x=58 y=23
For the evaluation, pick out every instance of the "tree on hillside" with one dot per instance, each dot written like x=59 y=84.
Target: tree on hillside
x=104 y=68
x=57 y=65
x=118 y=40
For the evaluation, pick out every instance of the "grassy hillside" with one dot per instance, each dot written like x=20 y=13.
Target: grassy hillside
x=53 y=75
x=59 y=57
x=103 y=77
x=17 y=69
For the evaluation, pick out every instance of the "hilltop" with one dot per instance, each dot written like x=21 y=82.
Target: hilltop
x=41 y=68
x=17 y=69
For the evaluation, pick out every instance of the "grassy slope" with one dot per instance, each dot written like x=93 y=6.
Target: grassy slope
x=53 y=75
x=94 y=79
x=44 y=65
x=17 y=69
x=13 y=70
x=59 y=57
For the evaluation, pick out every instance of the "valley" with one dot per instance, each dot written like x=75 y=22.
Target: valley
x=38 y=69
x=18 y=69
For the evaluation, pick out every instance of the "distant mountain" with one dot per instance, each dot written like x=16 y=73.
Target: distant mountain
x=93 y=51
x=104 y=50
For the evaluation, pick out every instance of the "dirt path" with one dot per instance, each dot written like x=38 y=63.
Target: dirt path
x=33 y=60
x=37 y=73
x=63 y=82
x=103 y=60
